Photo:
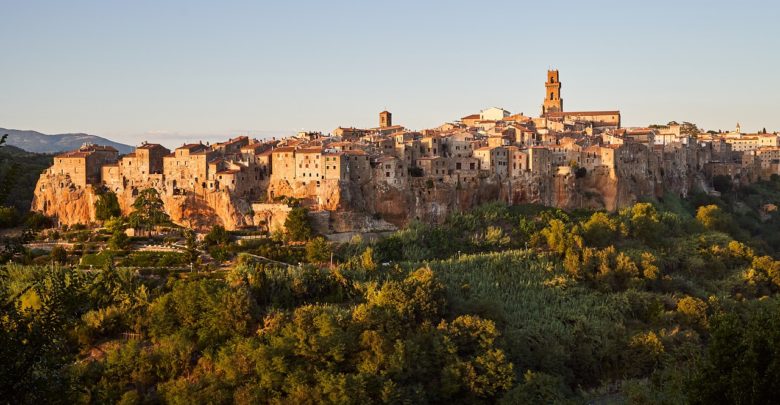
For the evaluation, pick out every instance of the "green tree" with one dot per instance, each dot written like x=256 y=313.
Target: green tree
x=191 y=244
x=297 y=224
x=600 y=230
x=148 y=210
x=742 y=361
x=217 y=236
x=107 y=206
x=59 y=254
x=118 y=240
x=318 y=250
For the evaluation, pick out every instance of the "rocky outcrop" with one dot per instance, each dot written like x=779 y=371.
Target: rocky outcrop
x=56 y=196
x=341 y=208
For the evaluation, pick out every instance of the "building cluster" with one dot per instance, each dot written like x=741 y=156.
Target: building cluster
x=493 y=143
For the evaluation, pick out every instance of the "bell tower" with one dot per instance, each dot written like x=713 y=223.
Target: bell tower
x=552 y=98
x=385 y=119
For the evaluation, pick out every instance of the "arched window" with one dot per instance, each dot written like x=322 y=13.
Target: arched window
x=551 y=96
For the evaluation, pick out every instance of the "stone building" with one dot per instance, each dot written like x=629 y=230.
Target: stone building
x=517 y=161
x=283 y=163
x=492 y=159
x=390 y=169
x=186 y=169
x=84 y=165
x=335 y=166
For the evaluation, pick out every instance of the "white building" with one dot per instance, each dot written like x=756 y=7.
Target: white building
x=493 y=114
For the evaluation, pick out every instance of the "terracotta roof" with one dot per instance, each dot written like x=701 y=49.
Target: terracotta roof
x=129 y=155
x=283 y=149
x=581 y=113
x=471 y=117
x=355 y=152
x=73 y=154
x=387 y=128
x=149 y=146
x=191 y=146
x=309 y=150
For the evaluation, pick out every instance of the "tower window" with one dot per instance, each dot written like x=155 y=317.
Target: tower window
x=552 y=96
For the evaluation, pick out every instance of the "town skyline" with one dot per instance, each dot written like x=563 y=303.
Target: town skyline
x=198 y=72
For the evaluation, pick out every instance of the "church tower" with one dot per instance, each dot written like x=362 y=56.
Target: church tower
x=552 y=98
x=385 y=119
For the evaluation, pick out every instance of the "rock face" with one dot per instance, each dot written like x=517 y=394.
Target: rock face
x=57 y=196
x=343 y=207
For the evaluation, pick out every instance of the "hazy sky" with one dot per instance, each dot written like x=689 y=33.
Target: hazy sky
x=135 y=70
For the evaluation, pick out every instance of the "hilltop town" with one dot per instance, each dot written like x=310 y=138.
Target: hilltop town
x=374 y=179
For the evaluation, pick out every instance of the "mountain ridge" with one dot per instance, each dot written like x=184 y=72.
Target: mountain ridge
x=37 y=142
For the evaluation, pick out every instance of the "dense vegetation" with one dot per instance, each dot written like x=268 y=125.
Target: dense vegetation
x=673 y=301
x=19 y=172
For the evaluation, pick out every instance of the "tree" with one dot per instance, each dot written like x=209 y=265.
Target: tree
x=191 y=243
x=318 y=250
x=59 y=254
x=693 y=310
x=217 y=236
x=107 y=206
x=148 y=210
x=742 y=362
x=118 y=241
x=600 y=230
x=644 y=222
x=712 y=218
x=297 y=224
x=555 y=236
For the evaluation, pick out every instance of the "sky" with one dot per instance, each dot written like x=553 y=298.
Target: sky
x=174 y=71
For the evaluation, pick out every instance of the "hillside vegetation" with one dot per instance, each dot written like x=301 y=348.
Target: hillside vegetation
x=672 y=301
x=19 y=172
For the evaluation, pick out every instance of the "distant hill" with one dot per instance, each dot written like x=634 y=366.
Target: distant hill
x=33 y=141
